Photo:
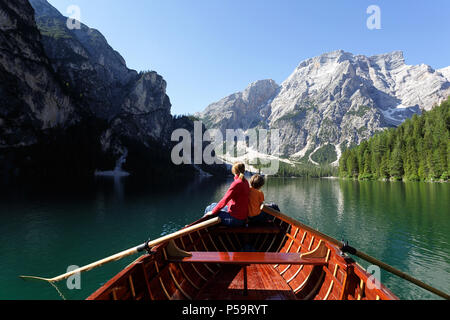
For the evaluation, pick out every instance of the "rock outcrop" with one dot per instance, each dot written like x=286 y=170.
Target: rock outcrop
x=242 y=110
x=31 y=96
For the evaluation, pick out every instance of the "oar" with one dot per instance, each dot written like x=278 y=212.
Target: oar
x=132 y=251
x=353 y=251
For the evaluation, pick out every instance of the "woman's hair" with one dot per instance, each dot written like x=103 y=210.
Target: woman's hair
x=257 y=181
x=238 y=169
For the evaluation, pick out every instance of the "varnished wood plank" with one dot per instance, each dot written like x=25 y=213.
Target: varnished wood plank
x=179 y=287
x=147 y=283
x=243 y=258
x=269 y=229
x=193 y=267
x=133 y=292
x=263 y=282
x=187 y=277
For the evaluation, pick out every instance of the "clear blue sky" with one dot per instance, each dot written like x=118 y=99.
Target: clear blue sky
x=208 y=49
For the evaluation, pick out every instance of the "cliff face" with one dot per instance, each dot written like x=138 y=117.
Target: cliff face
x=31 y=96
x=134 y=104
x=338 y=100
x=38 y=116
x=69 y=106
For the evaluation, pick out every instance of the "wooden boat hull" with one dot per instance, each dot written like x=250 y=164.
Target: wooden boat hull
x=322 y=273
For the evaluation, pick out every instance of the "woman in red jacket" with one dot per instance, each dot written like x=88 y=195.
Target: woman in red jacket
x=233 y=208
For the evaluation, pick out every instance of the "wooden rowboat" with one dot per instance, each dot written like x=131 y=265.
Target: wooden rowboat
x=277 y=261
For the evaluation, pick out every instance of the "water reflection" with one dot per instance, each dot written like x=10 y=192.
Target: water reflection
x=117 y=182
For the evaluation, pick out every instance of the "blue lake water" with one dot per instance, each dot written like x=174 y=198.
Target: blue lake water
x=44 y=230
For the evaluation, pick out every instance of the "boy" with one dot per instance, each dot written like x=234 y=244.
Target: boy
x=255 y=200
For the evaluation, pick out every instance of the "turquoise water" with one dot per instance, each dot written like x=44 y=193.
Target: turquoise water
x=44 y=230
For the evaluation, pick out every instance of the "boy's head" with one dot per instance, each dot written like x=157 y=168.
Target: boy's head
x=257 y=181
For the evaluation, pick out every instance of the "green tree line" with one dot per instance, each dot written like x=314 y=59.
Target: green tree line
x=307 y=170
x=417 y=150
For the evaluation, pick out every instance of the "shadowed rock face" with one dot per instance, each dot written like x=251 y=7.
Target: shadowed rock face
x=31 y=96
x=135 y=104
x=337 y=99
x=70 y=106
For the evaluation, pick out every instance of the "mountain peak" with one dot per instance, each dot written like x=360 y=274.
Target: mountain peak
x=265 y=84
x=396 y=54
x=259 y=91
x=445 y=72
x=392 y=60
x=326 y=58
x=336 y=54
x=43 y=7
x=262 y=83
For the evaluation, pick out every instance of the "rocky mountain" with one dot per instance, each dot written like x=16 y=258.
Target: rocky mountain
x=445 y=72
x=334 y=101
x=71 y=107
x=135 y=104
x=242 y=110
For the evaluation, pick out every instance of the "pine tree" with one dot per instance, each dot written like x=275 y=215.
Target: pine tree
x=419 y=149
x=367 y=172
x=352 y=165
x=343 y=170
x=396 y=164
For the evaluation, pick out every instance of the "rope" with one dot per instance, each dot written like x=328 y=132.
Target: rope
x=59 y=292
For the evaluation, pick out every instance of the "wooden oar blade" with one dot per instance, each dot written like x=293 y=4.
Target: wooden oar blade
x=32 y=278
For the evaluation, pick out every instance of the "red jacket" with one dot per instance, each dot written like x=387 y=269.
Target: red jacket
x=236 y=199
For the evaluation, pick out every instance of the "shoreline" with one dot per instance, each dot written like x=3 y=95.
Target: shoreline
x=361 y=180
x=393 y=180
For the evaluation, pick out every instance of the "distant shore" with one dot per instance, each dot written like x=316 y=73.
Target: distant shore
x=394 y=180
x=355 y=179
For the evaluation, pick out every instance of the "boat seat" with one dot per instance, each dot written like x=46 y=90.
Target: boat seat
x=248 y=258
x=264 y=229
